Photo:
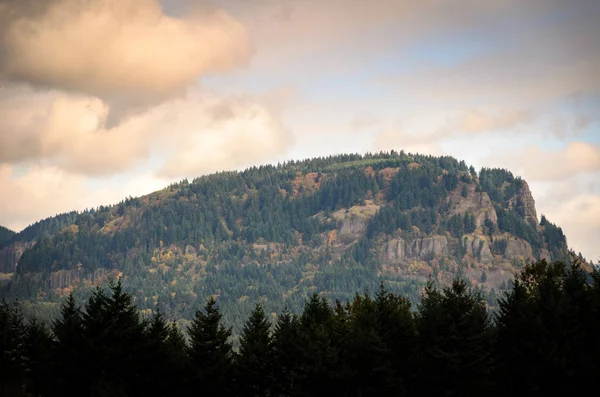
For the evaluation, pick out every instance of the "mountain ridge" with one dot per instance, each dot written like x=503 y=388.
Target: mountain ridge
x=278 y=233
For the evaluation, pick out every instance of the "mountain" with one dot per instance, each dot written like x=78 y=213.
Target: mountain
x=277 y=234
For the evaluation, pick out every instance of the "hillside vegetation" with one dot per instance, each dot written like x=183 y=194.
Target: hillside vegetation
x=277 y=234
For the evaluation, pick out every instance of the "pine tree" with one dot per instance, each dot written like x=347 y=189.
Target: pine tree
x=365 y=352
x=255 y=360
x=317 y=350
x=455 y=337
x=210 y=351
x=546 y=340
x=70 y=355
x=11 y=350
x=37 y=357
x=396 y=327
x=286 y=353
x=158 y=378
x=125 y=339
x=114 y=336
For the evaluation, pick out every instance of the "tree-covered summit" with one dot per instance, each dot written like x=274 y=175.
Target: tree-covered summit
x=280 y=232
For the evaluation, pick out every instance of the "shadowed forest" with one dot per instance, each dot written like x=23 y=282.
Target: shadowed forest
x=542 y=339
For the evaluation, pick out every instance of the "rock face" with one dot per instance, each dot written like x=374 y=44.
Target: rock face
x=477 y=204
x=421 y=248
x=395 y=250
x=545 y=254
x=524 y=204
x=517 y=249
x=478 y=247
x=434 y=246
x=9 y=256
x=354 y=225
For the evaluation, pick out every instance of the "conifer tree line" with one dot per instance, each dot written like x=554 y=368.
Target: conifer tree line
x=543 y=339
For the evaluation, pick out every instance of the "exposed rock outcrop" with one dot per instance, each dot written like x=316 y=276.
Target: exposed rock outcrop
x=545 y=254
x=524 y=204
x=353 y=225
x=434 y=246
x=517 y=249
x=422 y=248
x=478 y=247
x=395 y=250
x=477 y=204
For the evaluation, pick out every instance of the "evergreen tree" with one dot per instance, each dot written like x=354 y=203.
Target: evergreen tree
x=469 y=223
x=70 y=353
x=286 y=354
x=366 y=353
x=396 y=327
x=545 y=327
x=255 y=359
x=114 y=336
x=159 y=377
x=210 y=351
x=37 y=357
x=455 y=336
x=11 y=350
x=317 y=352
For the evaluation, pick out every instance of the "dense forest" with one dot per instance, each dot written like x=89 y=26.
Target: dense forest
x=543 y=339
x=279 y=233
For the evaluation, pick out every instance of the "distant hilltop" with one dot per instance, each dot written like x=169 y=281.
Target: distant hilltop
x=334 y=225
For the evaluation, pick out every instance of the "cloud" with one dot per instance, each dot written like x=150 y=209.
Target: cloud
x=68 y=132
x=40 y=192
x=395 y=138
x=477 y=122
x=119 y=50
x=363 y=121
x=198 y=133
x=536 y=164
x=579 y=217
x=449 y=127
x=231 y=134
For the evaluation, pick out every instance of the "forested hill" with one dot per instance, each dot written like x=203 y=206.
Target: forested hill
x=277 y=234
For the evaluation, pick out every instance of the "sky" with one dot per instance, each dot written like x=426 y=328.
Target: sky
x=105 y=99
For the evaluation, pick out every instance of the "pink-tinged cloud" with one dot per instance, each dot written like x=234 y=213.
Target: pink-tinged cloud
x=536 y=164
x=197 y=134
x=116 y=48
x=579 y=216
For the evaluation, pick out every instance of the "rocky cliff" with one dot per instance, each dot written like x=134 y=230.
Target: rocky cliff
x=524 y=204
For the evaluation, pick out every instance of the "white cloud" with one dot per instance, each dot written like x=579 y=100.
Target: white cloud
x=198 y=133
x=579 y=217
x=536 y=164
x=123 y=48
x=40 y=193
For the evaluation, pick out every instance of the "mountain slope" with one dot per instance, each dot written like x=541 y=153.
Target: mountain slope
x=278 y=233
